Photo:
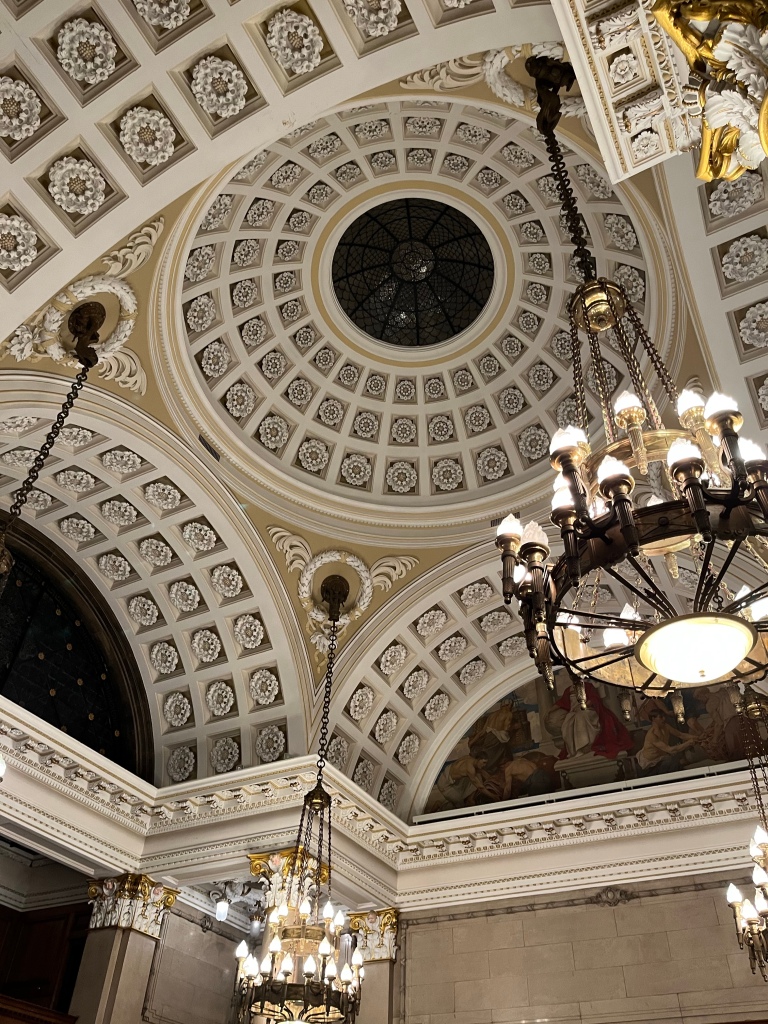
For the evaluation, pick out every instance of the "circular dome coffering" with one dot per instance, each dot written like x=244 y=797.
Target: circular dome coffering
x=413 y=272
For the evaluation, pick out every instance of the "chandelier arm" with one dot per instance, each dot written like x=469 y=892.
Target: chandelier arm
x=658 y=364
x=578 y=380
x=715 y=581
x=656 y=598
x=618 y=654
x=738 y=605
x=704 y=575
x=599 y=372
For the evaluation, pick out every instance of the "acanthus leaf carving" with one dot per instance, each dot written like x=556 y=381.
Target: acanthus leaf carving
x=135 y=253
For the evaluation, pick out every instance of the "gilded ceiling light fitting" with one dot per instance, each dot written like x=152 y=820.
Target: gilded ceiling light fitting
x=84 y=324
x=302 y=976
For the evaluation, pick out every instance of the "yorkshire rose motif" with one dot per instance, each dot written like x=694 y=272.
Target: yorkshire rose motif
x=456 y=163
x=369 y=131
x=264 y=687
x=215 y=359
x=143 y=611
x=405 y=390
x=436 y=707
x=177 y=709
x=567 y=413
x=514 y=204
x=611 y=377
x=347 y=173
x=356 y=469
x=532 y=231
x=74 y=436
x=330 y=412
x=393 y=659
x=219 y=86
x=162 y=496
x=511 y=401
x=408 y=748
x=476 y=594
x=246 y=252
x=240 y=400
x=487 y=178
x=86 y=51
x=37 y=500
x=184 y=596
x=77 y=529
x=285 y=281
x=646 y=144
x=338 y=752
x=374 y=17
x=473 y=134
x=20 y=457
x=217 y=212
x=416 y=683
x=219 y=697
x=491 y=463
x=294 y=41
x=287 y=250
x=165 y=14
x=324 y=147
x=206 y=645
x=76 y=480
x=201 y=313
x=18 y=242
x=472 y=671
x=440 y=429
x=349 y=375
x=376 y=385
x=181 y=764
x=156 y=552
x=249 y=169
x=620 y=231
x=299 y=220
x=536 y=292
x=746 y=259
x=274 y=364
x=494 y=621
x=463 y=380
x=401 y=477
x=77 y=186
x=431 y=622
x=120 y=460
x=425 y=126
x=199 y=536
x=363 y=774
x=624 y=68
x=512 y=647
x=319 y=193
x=753 y=328
x=324 y=359
x=248 y=632
x=273 y=432
x=119 y=513
x=403 y=430
x=385 y=727
x=148 y=137
x=18 y=424
x=19 y=109
x=226 y=581
x=593 y=182
x=562 y=346
x=538 y=263
x=225 y=753
x=270 y=743
x=313 y=455
x=365 y=425
x=305 y=337
x=291 y=310
x=541 y=377
x=452 y=648
x=489 y=365
x=511 y=346
x=447 y=474
x=253 y=331
x=476 y=419
x=361 y=703
x=533 y=443
x=528 y=322
x=519 y=157
x=730 y=198
x=163 y=657
x=383 y=160
x=245 y=293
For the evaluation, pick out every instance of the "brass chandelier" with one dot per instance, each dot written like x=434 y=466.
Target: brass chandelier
x=302 y=975
x=717 y=506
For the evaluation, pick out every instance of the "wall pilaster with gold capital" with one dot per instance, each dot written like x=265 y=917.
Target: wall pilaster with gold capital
x=376 y=934
x=130 y=901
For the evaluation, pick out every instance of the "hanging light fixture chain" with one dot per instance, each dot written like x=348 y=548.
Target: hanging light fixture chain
x=656 y=360
x=322 y=749
x=578 y=379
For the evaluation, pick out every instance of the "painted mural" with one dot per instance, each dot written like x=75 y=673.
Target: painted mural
x=532 y=742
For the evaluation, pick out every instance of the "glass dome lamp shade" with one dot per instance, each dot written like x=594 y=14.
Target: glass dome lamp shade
x=615 y=637
x=222 y=909
x=610 y=469
x=567 y=439
x=696 y=649
x=750 y=451
x=720 y=405
x=688 y=400
x=682 y=451
x=760 y=837
x=733 y=895
x=626 y=402
x=510 y=528
x=242 y=950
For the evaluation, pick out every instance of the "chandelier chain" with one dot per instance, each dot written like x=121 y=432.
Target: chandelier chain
x=578 y=379
x=658 y=365
x=633 y=367
x=322 y=749
x=601 y=381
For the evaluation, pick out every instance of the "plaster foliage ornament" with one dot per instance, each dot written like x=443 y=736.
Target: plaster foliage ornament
x=77 y=186
x=624 y=68
x=75 y=480
x=403 y=430
x=401 y=477
x=19 y=109
x=463 y=380
x=384 y=160
x=456 y=163
x=532 y=231
x=143 y=611
x=201 y=313
x=286 y=175
x=388 y=794
x=338 y=753
x=511 y=346
x=366 y=425
x=245 y=293
x=753 y=328
x=167 y=14
x=227 y=581
x=264 y=687
x=385 y=727
x=273 y=432
x=294 y=41
x=536 y=292
x=488 y=179
x=370 y=131
x=491 y=464
x=447 y=475
x=246 y=252
x=319 y=193
x=22 y=458
x=477 y=419
x=86 y=51
x=324 y=147
x=731 y=198
x=514 y=204
x=18 y=243
x=349 y=375
x=163 y=496
x=253 y=331
x=533 y=443
x=199 y=536
x=114 y=567
x=489 y=366
x=495 y=621
x=762 y=396
x=217 y=212
x=215 y=360
x=562 y=346
x=305 y=337
x=408 y=748
x=18 y=424
x=260 y=213
x=240 y=400
x=374 y=18
x=376 y=385
x=538 y=263
x=314 y=455
x=513 y=647
x=303 y=129
x=177 y=709
x=452 y=648
x=620 y=231
x=567 y=413
x=330 y=412
x=426 y=126
x=206 y=645
x=37 y=500
x=156 y=552
x=274 y=364
x=594 y=182
x=121 y=461
x=285 y=281
x=184 y=596
x=518 y=157
x=393 y=659
x=250 y=168
x=270 y=743
x=434 y=388
x=347 y=173
x=646 y=144
x=511 y=401
x=363 y=774
x=436 y=707
x=77 y=529
x=288 y=250
x=472 y=672
x=540 y=377
x=548 y=188
x=356 y=469
x=299 y=220
x=219 y=86
x=473 y=134
x=324 y=359
x=225 y=753
x=416 y=683
x=633 y=283
x=291 y=310
x=181 y=764
x=147 y=136
x=220 y=698
x=75 y=437
x=248 y=632
x=405 y=390
x=746 y=258
x=440 y=429
x=431 y=622
x=528 y=322
x=575 y=270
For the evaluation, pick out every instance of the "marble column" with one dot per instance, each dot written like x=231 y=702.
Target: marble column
x=376 y=934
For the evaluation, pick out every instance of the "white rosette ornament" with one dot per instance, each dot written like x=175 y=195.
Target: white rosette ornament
x=294 y=41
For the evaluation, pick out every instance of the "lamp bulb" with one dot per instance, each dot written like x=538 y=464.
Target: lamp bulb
x=682 y=451
x=733 y=895
x=339 y=919
x=718 y=404
x=627 y=400
x=275 y=945
x=748 y=912
x=534 y=534
x=759 y=876
x=222 y=909
x=346 y=973
x=330 y=969
x=266 y=966
x=751 y=452
x=688 y=400
x=357 y=958
x=250 y=966
x=282 y=910
x=309 y=967
x=761 y=836
x=287 y=965
x=242 y=950
x=510 y=528
x=566 y=439
x=305 y=909
x=610 y=468
x=325 y=948
x=328 y=911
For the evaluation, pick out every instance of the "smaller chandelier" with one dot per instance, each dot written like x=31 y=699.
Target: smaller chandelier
x=302 y=975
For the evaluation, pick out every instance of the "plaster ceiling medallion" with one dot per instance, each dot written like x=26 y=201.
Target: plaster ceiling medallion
x=300 y=379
